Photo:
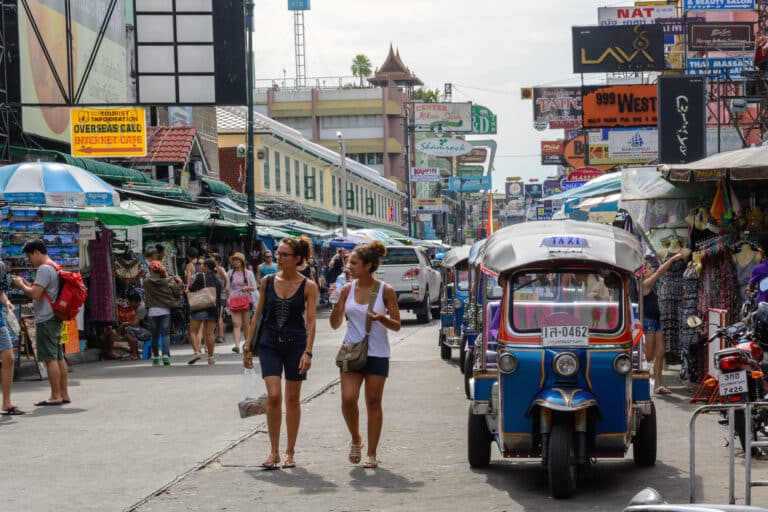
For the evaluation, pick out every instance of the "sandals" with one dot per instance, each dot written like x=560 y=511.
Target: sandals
x=195 y=359
x=13 y=411
x=370 y=463
x=236 y=349
x=271 y=463
x=211 y=360
x=288 y=462
x=661 y=390
x=355 y=453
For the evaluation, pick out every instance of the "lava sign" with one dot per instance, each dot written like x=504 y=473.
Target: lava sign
x=108 y=133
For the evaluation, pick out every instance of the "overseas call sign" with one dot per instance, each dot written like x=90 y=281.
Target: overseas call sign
x=618 y=106
x=107 y=133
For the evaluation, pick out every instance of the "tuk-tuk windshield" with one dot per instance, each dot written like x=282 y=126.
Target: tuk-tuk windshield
x=583 y=298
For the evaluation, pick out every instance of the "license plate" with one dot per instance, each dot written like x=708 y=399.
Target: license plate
x=733 y=383
x=565 y=336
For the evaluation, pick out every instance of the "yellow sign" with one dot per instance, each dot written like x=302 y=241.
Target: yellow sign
x=108 y=133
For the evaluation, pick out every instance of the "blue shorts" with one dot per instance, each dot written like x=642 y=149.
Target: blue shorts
x=204 y=315
x=376 y=366
x=651 y=325
x=5 y=339
x=278 y=356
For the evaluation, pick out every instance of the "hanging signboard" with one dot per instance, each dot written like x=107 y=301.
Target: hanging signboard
x=534 y=190
x=552 y=187
x=442 y=117
x=721 y=37
x=428 y=206
x=108 y=133
x=723 y=67
x=638 y=15
x=618 y=146
x=616 y=106
x=298 y=5
x=476 y=156
x=557 y=107
x=471 y=170
x=484 y=122
x=618 y=48
x=552 y=152
x=719 y=5
x=682 y=124
x=469 y=183
x=584 y=174
x=443 y=147
x=513 y=189
x=425 y=174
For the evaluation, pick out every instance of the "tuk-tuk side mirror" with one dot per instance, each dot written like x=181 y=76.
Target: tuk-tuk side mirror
x=693 y=322
x=449 y=291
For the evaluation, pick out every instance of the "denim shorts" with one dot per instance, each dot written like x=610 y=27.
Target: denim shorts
x=651 y=325
x=5 y=339
x=276 y=357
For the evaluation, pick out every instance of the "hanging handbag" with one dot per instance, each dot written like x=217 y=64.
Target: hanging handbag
x=240 y=303
x=204 y=298
x=352 y=357
x=260 y=322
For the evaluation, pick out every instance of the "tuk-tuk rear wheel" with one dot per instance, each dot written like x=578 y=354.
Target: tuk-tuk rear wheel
x=462 y=352
x=562 y=460
x=478 y=441
x=644 y=443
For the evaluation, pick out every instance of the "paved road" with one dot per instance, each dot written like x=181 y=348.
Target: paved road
x=132 y=429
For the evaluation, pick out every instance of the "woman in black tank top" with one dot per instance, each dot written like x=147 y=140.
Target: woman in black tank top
x=286 y=309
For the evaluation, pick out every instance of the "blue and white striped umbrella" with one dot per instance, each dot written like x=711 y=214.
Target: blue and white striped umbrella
x=54 y=184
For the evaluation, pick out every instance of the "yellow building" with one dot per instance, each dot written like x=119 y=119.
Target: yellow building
x=297 y=172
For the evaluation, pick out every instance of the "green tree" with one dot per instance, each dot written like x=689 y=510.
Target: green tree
x=426 y=95
x=361 y=67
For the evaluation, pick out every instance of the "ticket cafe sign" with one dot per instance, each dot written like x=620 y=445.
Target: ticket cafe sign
x=443 y=147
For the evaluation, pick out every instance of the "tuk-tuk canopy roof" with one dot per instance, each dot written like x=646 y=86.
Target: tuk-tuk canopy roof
x=474 y=252
x=541 y=242
x=455 y=256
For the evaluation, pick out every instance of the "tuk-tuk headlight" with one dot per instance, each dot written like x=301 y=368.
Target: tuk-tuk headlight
x=457 y=303
x=507 y=363
x=622 y=364
x=566 y=364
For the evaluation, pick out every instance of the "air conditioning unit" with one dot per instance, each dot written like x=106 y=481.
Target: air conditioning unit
x=739 y=105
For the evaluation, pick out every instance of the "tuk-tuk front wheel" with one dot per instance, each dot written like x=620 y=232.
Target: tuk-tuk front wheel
x=644 y=443
x=562 y=459
x=478 y=441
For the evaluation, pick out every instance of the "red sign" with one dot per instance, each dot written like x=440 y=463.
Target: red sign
x=584 y=174
x=552 y=152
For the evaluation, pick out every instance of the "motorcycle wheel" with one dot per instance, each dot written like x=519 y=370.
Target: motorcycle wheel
x=562 y=460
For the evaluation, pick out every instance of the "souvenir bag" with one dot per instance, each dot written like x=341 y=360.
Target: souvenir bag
x=204 y=298
x=238 y=303
x=353 y=357
x=253 y=395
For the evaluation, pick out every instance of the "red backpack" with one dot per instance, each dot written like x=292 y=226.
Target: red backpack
x=72 y=294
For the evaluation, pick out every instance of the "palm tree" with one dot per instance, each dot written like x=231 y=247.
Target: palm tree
x=361 y=67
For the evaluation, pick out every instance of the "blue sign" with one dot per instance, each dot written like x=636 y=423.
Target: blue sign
x=719 y=5
x=469 y=183
x=720 y=66
x=298 y=5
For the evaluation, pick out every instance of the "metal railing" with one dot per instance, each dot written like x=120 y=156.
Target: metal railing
x=319 y=82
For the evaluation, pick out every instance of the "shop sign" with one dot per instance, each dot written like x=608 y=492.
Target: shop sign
x=721 y=37
x=568 y=184
x=476 y=156
x=722 y=67
x=616 y=106
x=443 y=147
x=552 y=187
x=534 y=190
x=637 y=145
x=719 y=5
x=584 y=174
x=471 y=170
x=552 y=152
x=469 y=183
x=611 y=16
x=425 y=174
x=557 y=107
x=515 y=208
x=674 y=26
x=87 y=230
x=709 y=175
x=484 y=122
x=428 y=206
x=682 y=124
x=513 y=190
x=575 y=154
x=442 y=117
x=618 y=48
x=108 y=133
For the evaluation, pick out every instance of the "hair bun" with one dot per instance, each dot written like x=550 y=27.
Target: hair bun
x=378 y=249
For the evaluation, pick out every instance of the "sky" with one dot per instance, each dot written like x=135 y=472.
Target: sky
x=488 y=50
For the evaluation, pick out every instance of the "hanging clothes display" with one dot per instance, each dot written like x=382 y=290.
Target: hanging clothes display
x=689 y=337
x=718 y=284
x=670 y=304
x=102 y=286
x=745 y=257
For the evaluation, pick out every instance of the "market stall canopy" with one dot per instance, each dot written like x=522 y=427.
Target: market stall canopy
x=738 y=165
x=296 y=226
x=349 y=243
x=159 y=215
x=111 y=216
x=54 y=184
x=600 y=186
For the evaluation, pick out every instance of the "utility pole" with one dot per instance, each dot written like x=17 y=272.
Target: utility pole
x=250 y=171
x=344 y=196
x=408 y=171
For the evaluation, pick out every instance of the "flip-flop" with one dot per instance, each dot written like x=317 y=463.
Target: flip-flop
x=195 y=359
x=289 y=465
x=66 y=401
x=270 y=465
x=13 y=411
x=370 y=463
x=46 y=402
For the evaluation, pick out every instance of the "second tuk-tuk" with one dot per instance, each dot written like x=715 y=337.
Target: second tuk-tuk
x=557 y=380
x=455 y=273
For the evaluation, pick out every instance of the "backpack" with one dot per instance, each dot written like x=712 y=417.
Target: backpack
x=72 y=294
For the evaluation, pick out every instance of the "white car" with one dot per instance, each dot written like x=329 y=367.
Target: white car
x=418 y=286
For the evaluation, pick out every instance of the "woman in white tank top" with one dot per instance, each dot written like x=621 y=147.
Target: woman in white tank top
x=354 y=302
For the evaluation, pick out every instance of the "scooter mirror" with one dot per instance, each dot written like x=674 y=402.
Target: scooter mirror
x=763 y=286
x=693 y=321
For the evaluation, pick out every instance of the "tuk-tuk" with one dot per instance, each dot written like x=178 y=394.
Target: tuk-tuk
x=456 y=276
x=559 y=382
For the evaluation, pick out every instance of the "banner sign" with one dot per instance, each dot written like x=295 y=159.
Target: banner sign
x=476 y=156
x=443 y=147
x=513 y=189
x=444 y=117
x=673 y=26
x=298 y=5
x=682 y=123
x=552 y=152
x=616 y=106
x=584 y=174
x=471 y=170
x=425 y=174
x=719 y=5
x=427 y=206
x=557 y=107
x=108 y=133
x=552 y=187
x=721 y=37
x=469 y=183
x=618 y=48
x=639 y=15
x=730 y=67
x=534 y=190
x=484 y=122
x=618 y=146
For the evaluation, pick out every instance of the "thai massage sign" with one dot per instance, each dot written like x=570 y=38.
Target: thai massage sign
x=108 y=133
x=442 y=117
x=443 y=147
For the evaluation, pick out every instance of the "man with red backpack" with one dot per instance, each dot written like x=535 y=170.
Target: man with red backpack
x=45 y=292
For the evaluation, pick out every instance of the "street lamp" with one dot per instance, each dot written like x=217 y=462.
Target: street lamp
x=343 y=153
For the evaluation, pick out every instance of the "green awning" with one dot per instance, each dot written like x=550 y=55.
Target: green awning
x=159 y=215
x=331 y=218
x=111 y=216
x=273 y=232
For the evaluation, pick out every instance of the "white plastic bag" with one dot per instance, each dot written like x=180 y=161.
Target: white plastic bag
x=253 y=394
x=12 y=322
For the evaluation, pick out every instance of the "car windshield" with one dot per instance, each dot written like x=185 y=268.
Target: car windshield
x=400 y=256
x=540 y=299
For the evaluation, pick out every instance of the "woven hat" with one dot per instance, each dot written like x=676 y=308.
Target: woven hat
x=238 y=256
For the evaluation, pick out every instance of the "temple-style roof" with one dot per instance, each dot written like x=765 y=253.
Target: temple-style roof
x=393 y=71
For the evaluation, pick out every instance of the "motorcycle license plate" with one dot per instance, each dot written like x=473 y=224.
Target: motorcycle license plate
x=733 y=383
x=565 y=336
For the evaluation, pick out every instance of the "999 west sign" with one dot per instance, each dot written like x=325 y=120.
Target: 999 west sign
x=620 y=106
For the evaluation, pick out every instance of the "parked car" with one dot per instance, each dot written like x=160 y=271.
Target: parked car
x=418 y=286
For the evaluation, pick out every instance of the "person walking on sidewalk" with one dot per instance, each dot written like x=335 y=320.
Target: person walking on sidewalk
x=288 y=305
x=47 y=326
x=6 y=348
x=221 y=275
x=242 y=286
x=267 y=268
x=161 y=295
x=353 y=304
x=205 y=318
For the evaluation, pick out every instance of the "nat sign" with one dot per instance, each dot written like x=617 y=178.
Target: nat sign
x=618 y=48
x=617 y=106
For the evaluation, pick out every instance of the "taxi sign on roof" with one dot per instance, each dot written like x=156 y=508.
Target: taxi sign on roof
x=565 y=242
x=108 y=133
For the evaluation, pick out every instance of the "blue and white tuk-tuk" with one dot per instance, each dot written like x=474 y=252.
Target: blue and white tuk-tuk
x=455 y=272
x=558 y=382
